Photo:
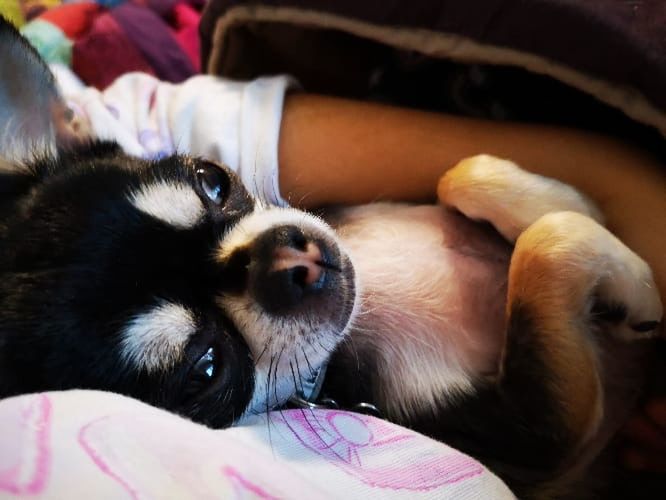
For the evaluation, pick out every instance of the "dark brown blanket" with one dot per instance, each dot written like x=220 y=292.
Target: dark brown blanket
x=610 y=49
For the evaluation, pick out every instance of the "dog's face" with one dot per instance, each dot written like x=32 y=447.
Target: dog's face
x=163 y=280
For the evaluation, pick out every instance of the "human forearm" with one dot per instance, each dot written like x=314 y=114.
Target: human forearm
x=340 y=151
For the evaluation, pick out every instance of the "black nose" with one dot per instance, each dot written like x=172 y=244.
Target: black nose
x=288 y=268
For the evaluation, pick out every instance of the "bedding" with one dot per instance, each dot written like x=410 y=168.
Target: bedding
x=100 y=40
x=87 y=444
x=405 y=52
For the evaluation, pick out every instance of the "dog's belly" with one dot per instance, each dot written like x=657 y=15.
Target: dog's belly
x=433 y=296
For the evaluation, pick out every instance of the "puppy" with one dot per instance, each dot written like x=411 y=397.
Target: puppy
x=164 y=280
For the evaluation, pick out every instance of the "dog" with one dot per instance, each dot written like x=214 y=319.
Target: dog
x=166 y=281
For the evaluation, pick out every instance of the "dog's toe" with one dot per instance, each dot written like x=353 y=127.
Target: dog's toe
x=630 y=285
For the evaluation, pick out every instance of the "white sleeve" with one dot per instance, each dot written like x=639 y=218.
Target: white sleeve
x=237 y=123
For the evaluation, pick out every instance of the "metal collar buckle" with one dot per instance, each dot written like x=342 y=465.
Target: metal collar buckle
x=308 y=397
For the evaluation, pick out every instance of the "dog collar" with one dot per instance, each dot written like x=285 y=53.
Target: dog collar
x=311 y=387
x=308 y=396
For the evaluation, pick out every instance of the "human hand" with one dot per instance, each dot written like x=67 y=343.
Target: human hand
x=645 y=438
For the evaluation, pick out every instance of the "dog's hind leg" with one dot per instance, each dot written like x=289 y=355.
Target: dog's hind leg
x=484 y=187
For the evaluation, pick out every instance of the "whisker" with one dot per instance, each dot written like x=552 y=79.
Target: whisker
x=300 y=377
x=311 y=410
x=326 y=350
x=312 y=370
x=256 y=362
x=268 y=410
x=293 y=377
x=275 y=374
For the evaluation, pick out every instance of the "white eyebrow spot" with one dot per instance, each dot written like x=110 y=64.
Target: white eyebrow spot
x=173 y=203
x=156 y=340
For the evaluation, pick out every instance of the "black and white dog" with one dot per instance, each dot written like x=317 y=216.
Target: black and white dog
x=166 y=281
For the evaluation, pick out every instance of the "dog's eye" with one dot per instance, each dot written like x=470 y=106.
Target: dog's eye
x=201 y=374
x=214 y=182
x=205 y=366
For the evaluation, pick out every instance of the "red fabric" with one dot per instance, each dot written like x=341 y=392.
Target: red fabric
x=74 y=19
x=105 y=52
x=186 y=32
x=158 y=37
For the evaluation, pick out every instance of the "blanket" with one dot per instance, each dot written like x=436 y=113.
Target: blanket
x=528 y=55
x=86 y=444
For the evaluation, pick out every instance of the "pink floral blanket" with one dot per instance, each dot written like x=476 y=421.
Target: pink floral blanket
x=87 y=444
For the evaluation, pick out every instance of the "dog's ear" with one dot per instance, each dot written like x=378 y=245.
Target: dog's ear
x=34 y=119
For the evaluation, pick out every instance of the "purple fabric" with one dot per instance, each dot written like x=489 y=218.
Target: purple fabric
x=153 y=39
x=162 y=7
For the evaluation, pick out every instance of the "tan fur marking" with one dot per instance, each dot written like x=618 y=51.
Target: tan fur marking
x=488 y=188
x=559 y=263
x=557 y=294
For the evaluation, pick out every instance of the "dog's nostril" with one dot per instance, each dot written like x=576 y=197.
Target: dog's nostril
x=291 y=270
x=299 y=276
x=306 y=275
x=304 y=266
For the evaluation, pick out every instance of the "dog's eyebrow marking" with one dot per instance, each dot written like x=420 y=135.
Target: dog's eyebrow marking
x=174 y=203
x=156 y=339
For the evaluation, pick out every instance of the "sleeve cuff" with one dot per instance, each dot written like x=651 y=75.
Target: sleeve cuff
x=260 y=118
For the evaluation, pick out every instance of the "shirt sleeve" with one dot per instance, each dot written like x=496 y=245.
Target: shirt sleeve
x=236 y=123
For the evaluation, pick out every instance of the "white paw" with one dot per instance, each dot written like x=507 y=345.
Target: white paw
x=627 y=299
x=487 y=188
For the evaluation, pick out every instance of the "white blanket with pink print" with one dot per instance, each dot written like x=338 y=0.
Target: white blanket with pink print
x=87 y=444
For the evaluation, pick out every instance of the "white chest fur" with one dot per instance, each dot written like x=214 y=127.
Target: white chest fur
x=433 y=296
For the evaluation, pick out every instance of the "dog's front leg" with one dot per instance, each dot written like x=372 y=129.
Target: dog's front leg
x=569 y=280
x=565 y=269
x=487 y=188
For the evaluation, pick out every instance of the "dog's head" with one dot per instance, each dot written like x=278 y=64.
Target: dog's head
x=163 y=280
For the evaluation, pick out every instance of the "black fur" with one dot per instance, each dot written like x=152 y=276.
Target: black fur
x=78 y=261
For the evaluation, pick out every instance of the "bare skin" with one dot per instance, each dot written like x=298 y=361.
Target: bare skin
x=337 y=151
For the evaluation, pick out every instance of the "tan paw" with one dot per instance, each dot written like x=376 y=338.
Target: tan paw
x=627 y=300
x=609 y=283
x=487 y=188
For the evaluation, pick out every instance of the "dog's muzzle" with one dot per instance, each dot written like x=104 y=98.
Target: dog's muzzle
x=292 y=270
